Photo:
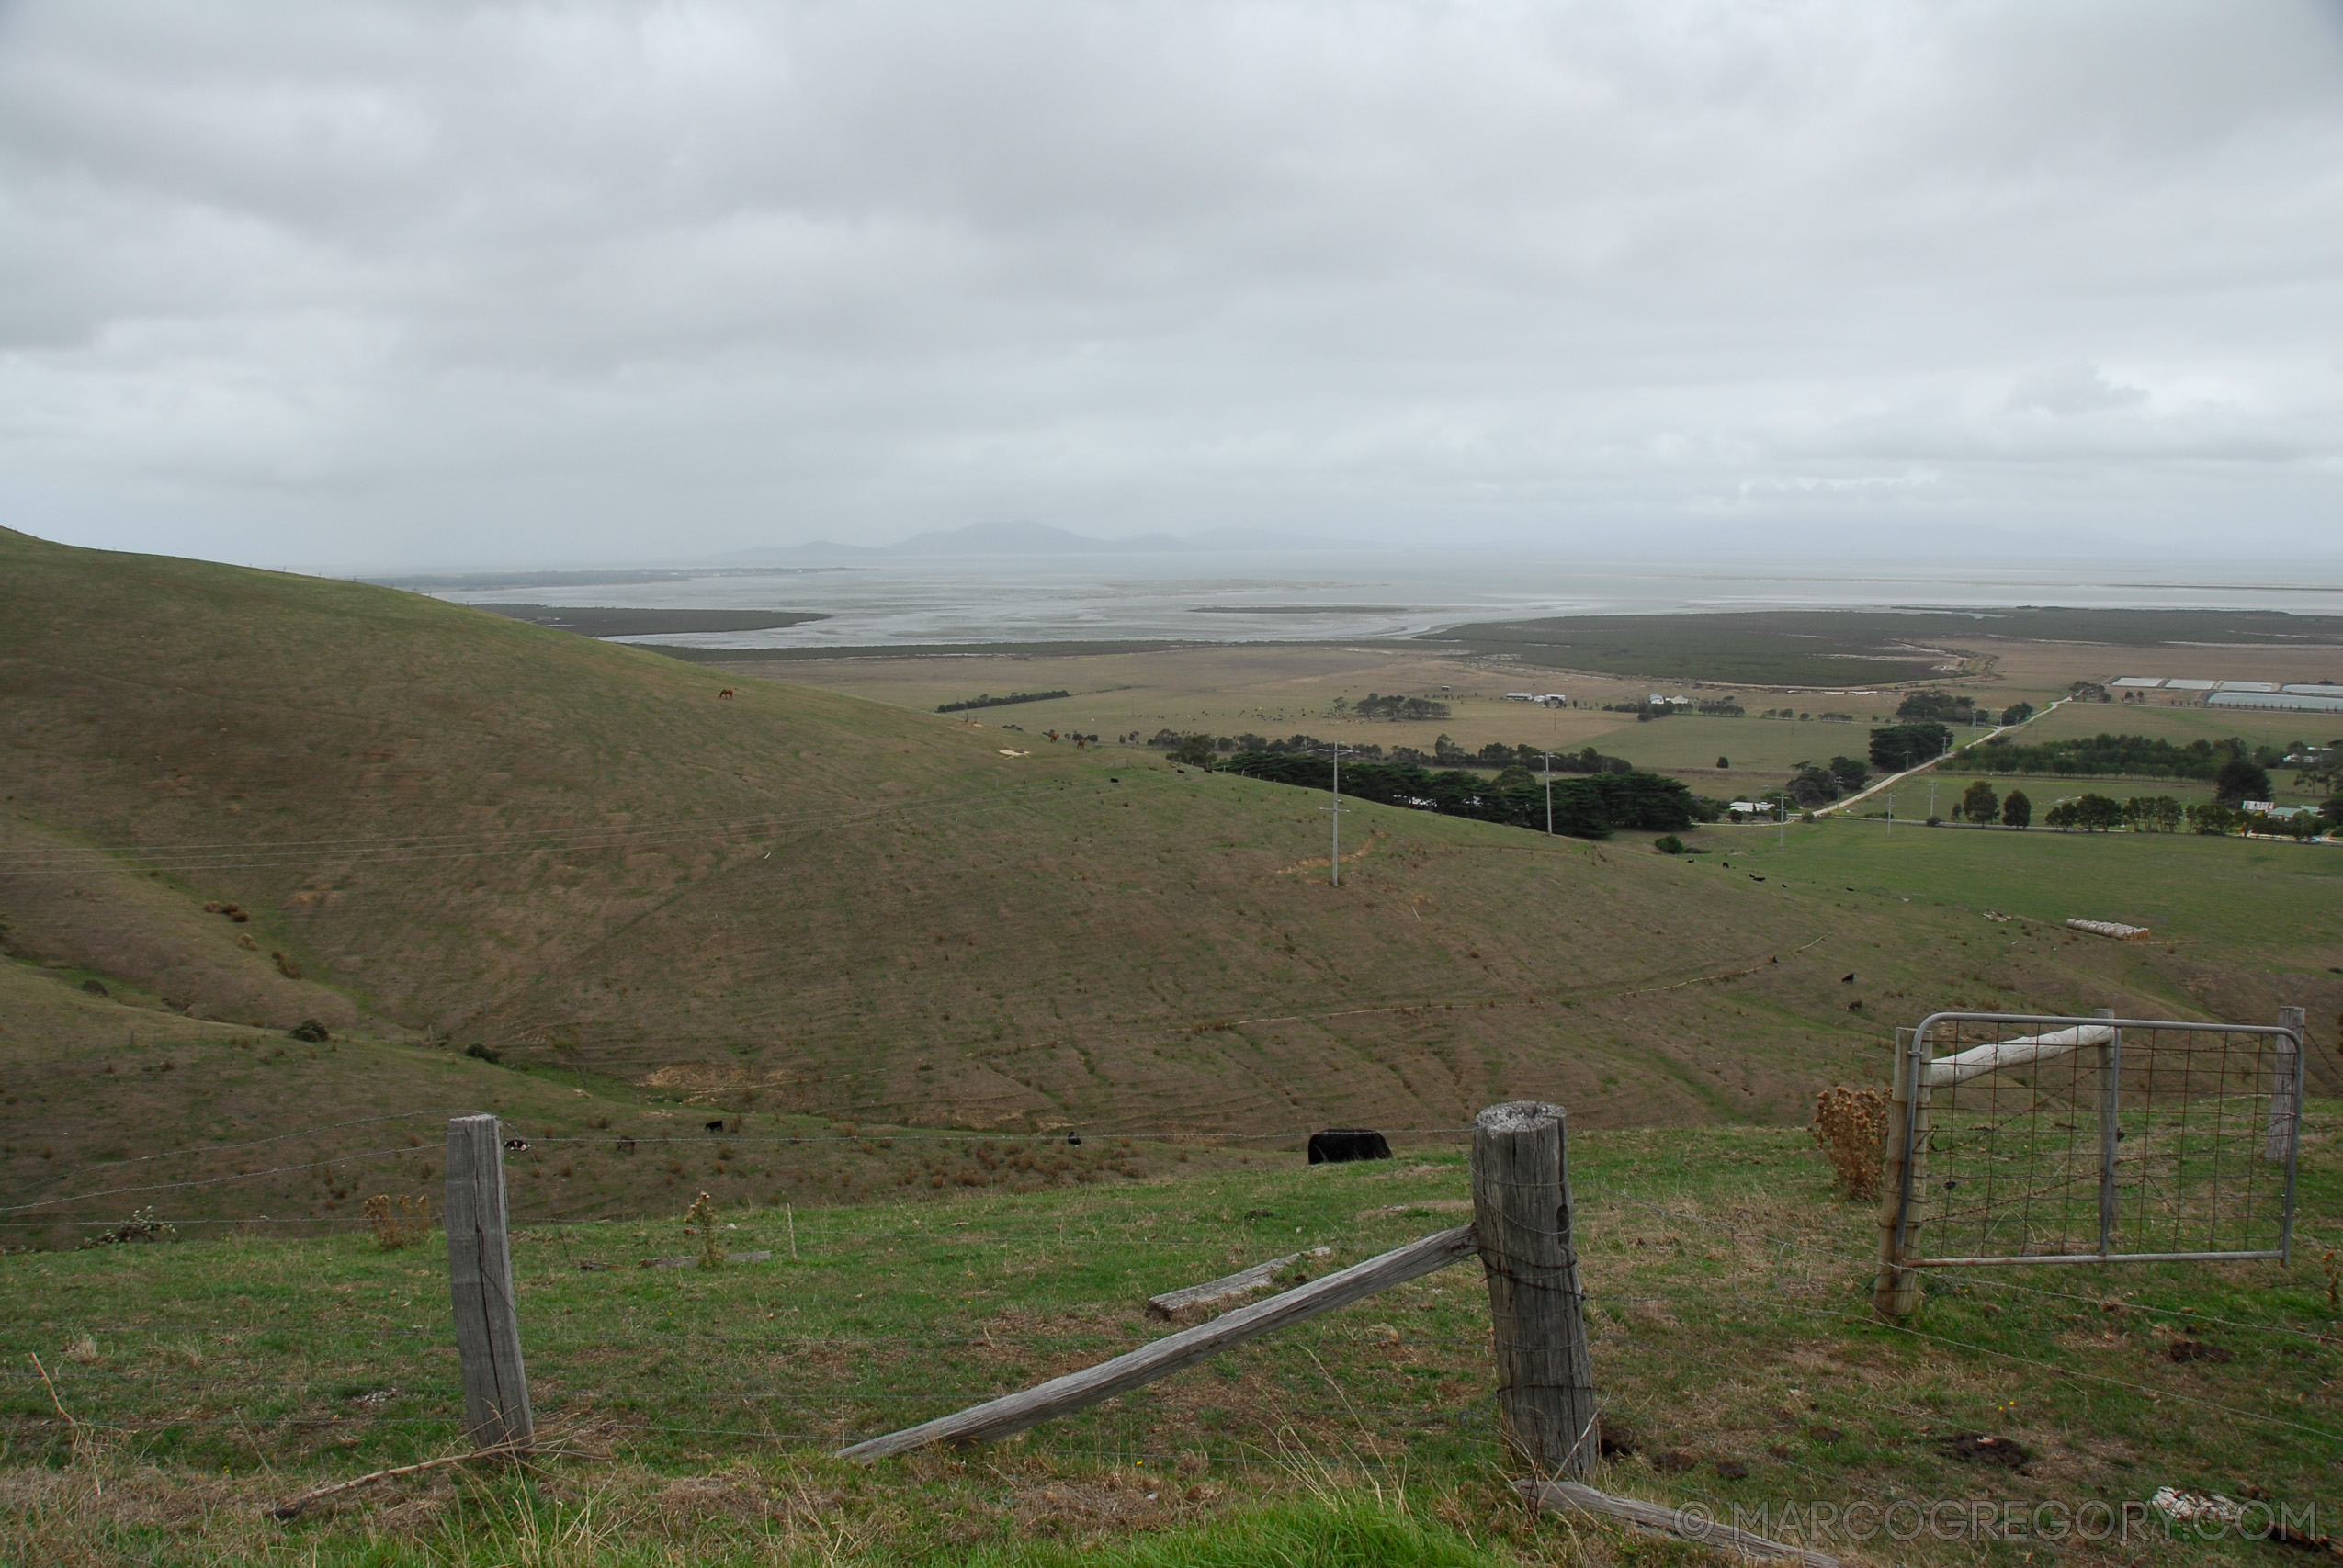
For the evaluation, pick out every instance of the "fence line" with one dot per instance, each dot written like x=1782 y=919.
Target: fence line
x=1024 y=1344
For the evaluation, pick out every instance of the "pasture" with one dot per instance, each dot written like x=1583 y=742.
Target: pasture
x=1728 y=1319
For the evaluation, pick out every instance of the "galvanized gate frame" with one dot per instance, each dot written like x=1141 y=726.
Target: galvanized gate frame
x=1896 y=1291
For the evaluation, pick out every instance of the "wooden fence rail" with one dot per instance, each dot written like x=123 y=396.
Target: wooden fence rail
x=1093 y=1385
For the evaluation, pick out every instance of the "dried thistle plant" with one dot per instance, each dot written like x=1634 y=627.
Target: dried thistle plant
x=397 y=1222
x=1851 y=1126
x=700 y=1220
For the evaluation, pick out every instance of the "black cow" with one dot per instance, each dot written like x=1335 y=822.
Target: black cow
x=626 y=1146
x=717 y=1125
x=1337 y=1144
x=516 y=1145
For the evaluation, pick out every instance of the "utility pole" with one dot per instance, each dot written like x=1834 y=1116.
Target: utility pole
x=1335 y=811
x=1549 y=793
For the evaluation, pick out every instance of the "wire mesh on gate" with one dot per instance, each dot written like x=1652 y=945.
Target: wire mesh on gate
x=2051 y=1140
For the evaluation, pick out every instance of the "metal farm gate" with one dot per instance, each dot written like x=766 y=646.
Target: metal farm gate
x=2022 y=1139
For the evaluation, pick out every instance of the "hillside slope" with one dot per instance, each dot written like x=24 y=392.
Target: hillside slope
x=491 y=833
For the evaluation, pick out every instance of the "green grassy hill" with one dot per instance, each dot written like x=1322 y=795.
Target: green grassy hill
x=450 y=830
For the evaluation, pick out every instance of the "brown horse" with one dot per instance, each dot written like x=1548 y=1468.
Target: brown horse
x=726 y=692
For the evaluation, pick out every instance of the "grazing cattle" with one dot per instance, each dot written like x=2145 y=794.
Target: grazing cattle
x=1074 y=1139
x=717 y=1125
x=626 y=1146
x=1337 y=1144
x=726 y=693
x=516 y=1145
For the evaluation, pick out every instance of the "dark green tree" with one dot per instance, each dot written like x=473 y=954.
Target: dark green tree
x=2240 y=779
x=2017 y=811
x=2017 y=713
x=2098 y=814
x=1979 y=803
x=1897 y=747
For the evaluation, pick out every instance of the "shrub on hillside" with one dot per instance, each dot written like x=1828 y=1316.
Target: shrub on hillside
x=1850 y=1127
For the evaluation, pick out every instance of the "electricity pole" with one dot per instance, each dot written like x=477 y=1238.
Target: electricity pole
x=1335 y=811
x=1549 y=793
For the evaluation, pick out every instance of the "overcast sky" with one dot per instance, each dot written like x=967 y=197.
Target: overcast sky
x=430 y=284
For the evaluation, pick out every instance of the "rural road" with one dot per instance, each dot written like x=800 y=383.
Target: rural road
x=1892 y=779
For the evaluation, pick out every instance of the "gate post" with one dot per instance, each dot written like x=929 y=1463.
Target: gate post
x=479 y=1281
x=2285 y=1089
x=2110 y=1094
x=1522 y=1213
x=1896 y=1291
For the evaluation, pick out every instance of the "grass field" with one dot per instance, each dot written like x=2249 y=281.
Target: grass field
x=1729 y=1326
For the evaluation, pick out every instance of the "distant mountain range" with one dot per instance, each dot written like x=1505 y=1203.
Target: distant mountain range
x=1039 y=539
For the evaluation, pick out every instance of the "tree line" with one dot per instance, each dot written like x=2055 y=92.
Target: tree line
x=1588 y=806
x=1202 y=750
x=983 y=700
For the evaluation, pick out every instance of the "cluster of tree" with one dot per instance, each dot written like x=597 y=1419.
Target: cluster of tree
x=1591 y=807
x=1201 y=751
x=1719 y=707
x=1953 y=707
x=983 y=700
x=1981 y=805
x=1820 y=785
x=2162 y=814
x=1397 y=707
x=2238 y=771
x=1826 y=718
x=1897 y=747
x=1945 y=707
x=1643 y=710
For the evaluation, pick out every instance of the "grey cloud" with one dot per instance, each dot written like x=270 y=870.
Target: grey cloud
x=420 y=281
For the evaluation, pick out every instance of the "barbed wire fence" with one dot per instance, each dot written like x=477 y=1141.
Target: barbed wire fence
x=826 y=1390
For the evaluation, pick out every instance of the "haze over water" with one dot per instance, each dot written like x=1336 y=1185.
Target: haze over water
x=1251 y=598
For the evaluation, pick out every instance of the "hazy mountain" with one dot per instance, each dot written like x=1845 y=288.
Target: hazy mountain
x=1032 y=540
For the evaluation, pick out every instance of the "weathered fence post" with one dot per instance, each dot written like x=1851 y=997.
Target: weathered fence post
x=479 y=1281
x=1521 y=1216
x=2285 y=1088
x=1896 y=1291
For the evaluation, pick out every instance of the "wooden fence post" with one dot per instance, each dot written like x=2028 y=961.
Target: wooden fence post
x=1895 y=1289
x=1522 y=1215
x=479 y=1281
x=2285 y=1088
